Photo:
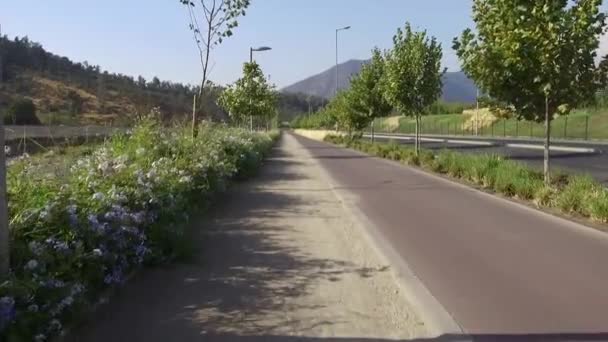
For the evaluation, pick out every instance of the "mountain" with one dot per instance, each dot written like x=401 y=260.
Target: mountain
x=457 y=87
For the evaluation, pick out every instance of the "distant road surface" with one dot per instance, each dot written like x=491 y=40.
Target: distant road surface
x=499 y=269
x=570 y=156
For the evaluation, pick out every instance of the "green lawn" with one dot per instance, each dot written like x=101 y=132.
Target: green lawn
x=580 y=124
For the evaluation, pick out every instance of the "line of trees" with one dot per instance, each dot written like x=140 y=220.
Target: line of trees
x=406 y=78
x=534 y=59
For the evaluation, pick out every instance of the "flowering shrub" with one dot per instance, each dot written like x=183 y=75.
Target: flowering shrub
x=115 y=210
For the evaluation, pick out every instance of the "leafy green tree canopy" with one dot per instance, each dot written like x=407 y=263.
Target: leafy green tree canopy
x=366 y=96
x=250 y=95
x=527 y=52
x=413 y=71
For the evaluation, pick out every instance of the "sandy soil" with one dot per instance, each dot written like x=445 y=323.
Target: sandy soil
x=280 y=260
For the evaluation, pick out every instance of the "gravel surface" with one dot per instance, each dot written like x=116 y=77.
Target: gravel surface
x=280 y=260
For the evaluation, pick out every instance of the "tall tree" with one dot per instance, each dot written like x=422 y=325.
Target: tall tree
x=366 y=96
x=537 y=56
x=413 y=74
x=250 y=96
x=218 y=19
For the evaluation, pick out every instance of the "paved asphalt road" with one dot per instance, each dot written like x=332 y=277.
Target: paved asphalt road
x=593 y=163
x=496 y=267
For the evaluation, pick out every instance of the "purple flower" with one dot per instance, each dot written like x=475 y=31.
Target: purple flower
x=54 y=284
x=36 y=248
x=31 y=265
x=115 y=277
x=7 y=311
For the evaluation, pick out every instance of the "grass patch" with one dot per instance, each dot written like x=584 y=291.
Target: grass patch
x=580 y=124
x=578 y=195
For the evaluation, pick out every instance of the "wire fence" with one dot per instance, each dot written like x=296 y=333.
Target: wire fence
x=574 y=127
x=28 y=139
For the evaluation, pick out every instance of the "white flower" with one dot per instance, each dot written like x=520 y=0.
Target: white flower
x=7 y=150
x=98 y=196
x=119 y=167
x=104 y=167
x=31 y=265
x=185 y=179
x=97 y=252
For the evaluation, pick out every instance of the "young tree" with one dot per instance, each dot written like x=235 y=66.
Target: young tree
x=366 y=97
x=218 y=18
x=250 y=96
x=537 y=56
x=413 y=74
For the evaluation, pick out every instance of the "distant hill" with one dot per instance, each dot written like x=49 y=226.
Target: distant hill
x=67 y=92
x=457 y=87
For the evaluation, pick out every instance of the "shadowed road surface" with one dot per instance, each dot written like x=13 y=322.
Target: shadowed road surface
x=496 y=267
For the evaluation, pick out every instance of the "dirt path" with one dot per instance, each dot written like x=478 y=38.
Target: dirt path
x=280 y=260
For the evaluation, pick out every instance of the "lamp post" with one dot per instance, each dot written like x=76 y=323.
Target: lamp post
x=251 y=50
x=261 y=48
x=338 y=30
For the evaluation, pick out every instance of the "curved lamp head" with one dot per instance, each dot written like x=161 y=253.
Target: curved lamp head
x=343 y=28
x=262 y=48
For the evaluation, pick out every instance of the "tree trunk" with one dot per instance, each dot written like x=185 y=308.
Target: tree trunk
x=194 y=117
x=547 y=143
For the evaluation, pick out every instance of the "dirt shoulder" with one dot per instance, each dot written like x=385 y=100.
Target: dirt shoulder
x=280 y=260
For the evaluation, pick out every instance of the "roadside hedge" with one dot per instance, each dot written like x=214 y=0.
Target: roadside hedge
x=121 y=207
x=571 y=194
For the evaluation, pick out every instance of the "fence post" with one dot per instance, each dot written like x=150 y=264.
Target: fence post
x=517 y=128
x=4 y=235
x=566 y=127
x=531 y=129
x=372 y=131
x=24 y=141
x=492 y=125
x=586 y=127
x=504 y=127
x=448 y=128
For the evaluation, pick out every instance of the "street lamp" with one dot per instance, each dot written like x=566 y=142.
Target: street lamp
x=338 y=30
x=261 y=48
x=251 y=50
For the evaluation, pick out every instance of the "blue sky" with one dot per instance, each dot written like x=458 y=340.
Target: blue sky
x=151 y=37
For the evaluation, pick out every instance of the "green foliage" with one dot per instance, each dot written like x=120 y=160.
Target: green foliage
x=222 y=18
x=571 y=194
x=292 y=105
x=413 y=72
x=525 y=52
x=250 y=95
x=22 y=112
x=317 y=120
x=365 y=96
x=123 y=206
x=441 y=107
